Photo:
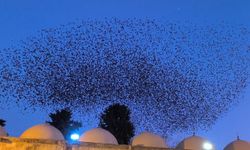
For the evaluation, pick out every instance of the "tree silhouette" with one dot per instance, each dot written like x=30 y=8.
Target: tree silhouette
x=62 y=120
x=2 y=122
x=116 y=119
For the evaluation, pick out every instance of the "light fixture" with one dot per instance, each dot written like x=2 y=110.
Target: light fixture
x=207 y=146
x=74 y=136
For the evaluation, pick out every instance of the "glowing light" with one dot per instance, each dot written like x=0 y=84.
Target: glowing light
x=207 y=146
x=74 y=136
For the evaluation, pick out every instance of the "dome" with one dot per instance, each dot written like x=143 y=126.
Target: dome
x=2 y=131
x=238 y=145
x=195 y=143
x=149 y=140
x=43 y=131
x=98 y=135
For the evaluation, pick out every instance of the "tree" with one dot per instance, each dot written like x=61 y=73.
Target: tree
x=62 y=120
x=116 y=119
x=2 y=122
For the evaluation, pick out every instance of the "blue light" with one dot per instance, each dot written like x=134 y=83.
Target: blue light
x=207 y=146
x=74 y=136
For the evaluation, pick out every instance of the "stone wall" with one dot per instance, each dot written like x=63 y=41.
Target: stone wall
x=11 y=143
x=93 y=146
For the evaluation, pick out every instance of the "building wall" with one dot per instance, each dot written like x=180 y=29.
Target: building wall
x=11 y=143
x=93 y=146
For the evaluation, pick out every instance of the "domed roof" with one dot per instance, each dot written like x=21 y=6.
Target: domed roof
x=2 y=131
x=195 y=143
x=149 y=140
x=43 y=131
x=238 y=145
x=98 y=135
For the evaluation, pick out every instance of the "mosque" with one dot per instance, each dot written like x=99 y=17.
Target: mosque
x=47 y=137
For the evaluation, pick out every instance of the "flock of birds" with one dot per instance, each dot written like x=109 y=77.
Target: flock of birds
x=173 y=76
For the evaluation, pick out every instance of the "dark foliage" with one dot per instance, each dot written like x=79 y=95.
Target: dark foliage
x=172 y=76
x=62 y=120
x=116 y=119
x=2 y=122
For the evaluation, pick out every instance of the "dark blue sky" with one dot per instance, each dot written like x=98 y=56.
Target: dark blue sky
x=20 y=19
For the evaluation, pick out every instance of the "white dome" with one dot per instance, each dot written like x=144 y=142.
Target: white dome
x=149 y=140
x=238 y=145
x=195 y=143
x=2 y=131
x=98 y=135
x=43 y=131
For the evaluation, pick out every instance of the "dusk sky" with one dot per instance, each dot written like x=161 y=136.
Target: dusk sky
x=21 y=19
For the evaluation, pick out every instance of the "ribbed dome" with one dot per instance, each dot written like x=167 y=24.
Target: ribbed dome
x=149 y=140
x=238 y=145
x=195 y=143
x=98 y=135
x=2 y=131
x=43 y=131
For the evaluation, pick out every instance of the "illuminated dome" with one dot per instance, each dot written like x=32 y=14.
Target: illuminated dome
x=43 y=131
x=195 y=143
x=149 y=140
x=2 y=131
x=238 y=145
x=98 y=135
